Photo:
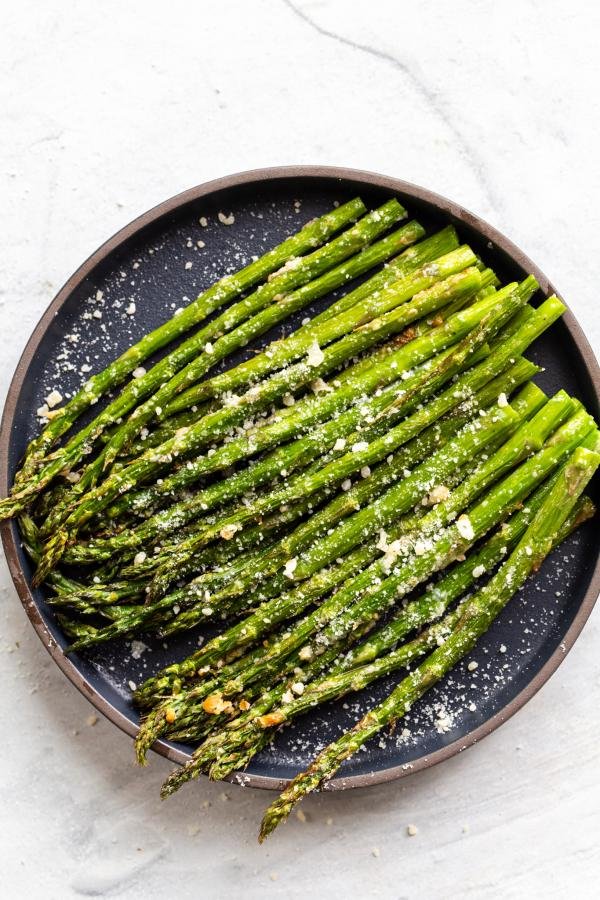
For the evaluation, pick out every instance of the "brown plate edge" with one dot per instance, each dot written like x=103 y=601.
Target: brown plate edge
x=9 y=540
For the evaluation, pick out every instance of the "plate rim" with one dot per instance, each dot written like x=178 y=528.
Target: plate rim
x=9 y=532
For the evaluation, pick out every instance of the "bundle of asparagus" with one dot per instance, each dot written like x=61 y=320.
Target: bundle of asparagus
x=329 y=505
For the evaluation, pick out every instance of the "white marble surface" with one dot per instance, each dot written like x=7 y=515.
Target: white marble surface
x=109 y=108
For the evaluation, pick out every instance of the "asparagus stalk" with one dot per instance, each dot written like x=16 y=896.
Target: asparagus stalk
x=392 y=505
x=252 y=317
x=308 y=414
x=364 y=453
x=355 y=390
x=233 y=748
x=478 y=614
x=366 y=595
x=287 y=458
x=216 y=424
x=196 y=593
x=310 y=236
x=351 y=312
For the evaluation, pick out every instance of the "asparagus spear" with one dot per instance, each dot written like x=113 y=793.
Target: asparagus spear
x=367 y=595
x=232 y=748
x=311 y=235
x=203 y=607
x=478 y=614
x=286 y=458
x=364 y=452
x=64 y=459
x=215 y=425
x=354 y=390
x=252 y=317
x=395 y=502
x=312 y=411
x=351 y=312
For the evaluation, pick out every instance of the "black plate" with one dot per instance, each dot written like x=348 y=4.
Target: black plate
x=145 y=264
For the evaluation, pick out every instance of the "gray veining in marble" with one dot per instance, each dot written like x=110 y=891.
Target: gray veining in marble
x=106 y=109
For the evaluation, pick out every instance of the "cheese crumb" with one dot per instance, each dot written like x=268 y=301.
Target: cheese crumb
x=130 y=310
x=439 y=493
x=339 y=444
x=502 y=399
x=54 y=398
x=228 y=531
x=298 y=688
x=478 y=571
x=318 y=386
x=360 y=445
x=346 y=484
x=473 y=665
x=290 y=567
x=411 y=830
x=139 y=558
x=315 y=355
x=465 y=527
x=188 y=265
x=305 y=653
x=139 y=372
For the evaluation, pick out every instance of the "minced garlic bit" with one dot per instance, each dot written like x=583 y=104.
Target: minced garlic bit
x=215 y=704
x=472 y=666
x=365 y=472
x=339 y=444
x=225 y=220
x=346 y=484
x=315 y=355
x=298 y=687
x=188 y=265
x=290 y=567
x=208 y=347
x=502 y=399
x=203 y=221
x=465 y=528
x=288 y=399
x=288 y=697
x=478 y=571
x=228 y=531
x=42 y=411
x=139 y=372
x=139 y=558
x=130 y=310
x=439 y=493
x=305 y=653
x=411 y=830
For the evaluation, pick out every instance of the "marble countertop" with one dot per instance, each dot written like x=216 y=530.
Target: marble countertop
x=106 y=110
